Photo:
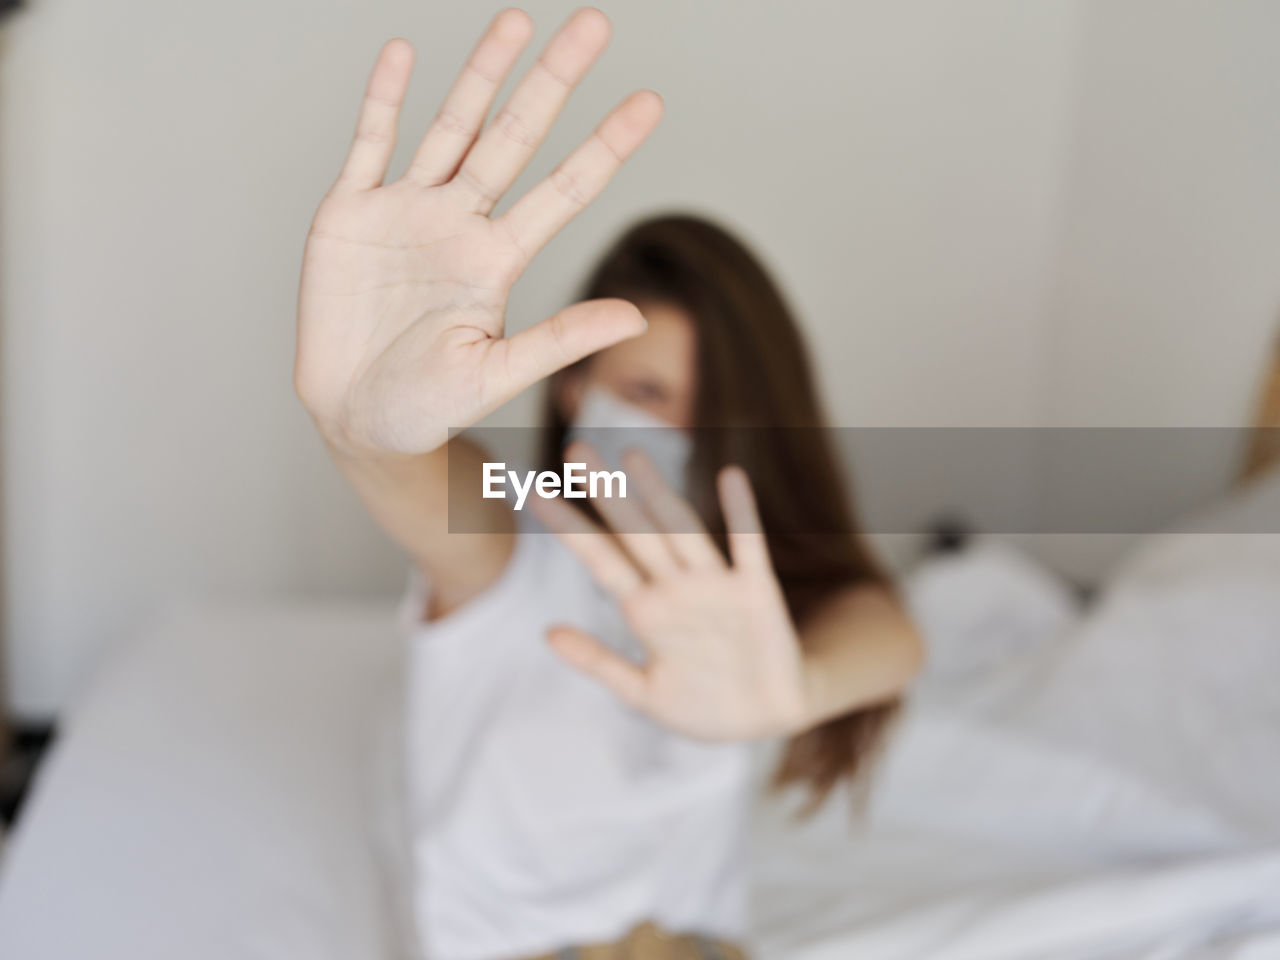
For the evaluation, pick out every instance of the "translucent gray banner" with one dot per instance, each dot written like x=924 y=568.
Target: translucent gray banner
x=908 y=480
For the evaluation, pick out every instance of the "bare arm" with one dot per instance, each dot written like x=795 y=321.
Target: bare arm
x=860 y=650
x=725 y=661
x=408 y=497
x=405 y=283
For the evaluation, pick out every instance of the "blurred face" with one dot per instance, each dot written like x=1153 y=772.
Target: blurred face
x=655 y=371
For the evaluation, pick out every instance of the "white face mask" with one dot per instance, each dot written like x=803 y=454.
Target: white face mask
x=613 y=426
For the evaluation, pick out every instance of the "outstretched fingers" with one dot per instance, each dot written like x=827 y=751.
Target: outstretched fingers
x=674 y=516
x=627 y=519
x=597 y=551
x=747 y=545
x=463 y=113
x=584 y=652
x=544 y=211
x=509 y=142
x=531 y=355
x=375 y=138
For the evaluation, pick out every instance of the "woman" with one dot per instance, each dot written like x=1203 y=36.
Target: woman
x=585 y=797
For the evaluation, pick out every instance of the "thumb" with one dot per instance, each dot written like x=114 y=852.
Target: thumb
x=587 y=654
x=564 y=338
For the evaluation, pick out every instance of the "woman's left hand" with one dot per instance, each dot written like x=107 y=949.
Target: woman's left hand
x=724 y=659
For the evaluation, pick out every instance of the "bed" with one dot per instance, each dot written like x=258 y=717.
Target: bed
x=1064 y=784
x=209 y=796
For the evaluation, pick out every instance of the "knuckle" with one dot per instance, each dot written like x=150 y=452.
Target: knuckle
x=569 y=186
x=609 y=148
x=476 y=186
x=367 y=133
x=561 y=81
x=558 y=329
x=447 y=121
x=473 y=68
x=514 y=127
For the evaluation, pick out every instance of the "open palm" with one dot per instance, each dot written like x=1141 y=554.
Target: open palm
x=401 y=309
x=723 y=658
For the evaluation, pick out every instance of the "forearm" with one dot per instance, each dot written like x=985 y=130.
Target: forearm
x=860 y=651
x=408 y=497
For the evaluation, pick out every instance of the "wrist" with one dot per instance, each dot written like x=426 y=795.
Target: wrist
x=796 y=707
x=348 y=446
x=348 y=452
x=374 y=467
x=821 y=697
x=353 y=436
x=812 y=696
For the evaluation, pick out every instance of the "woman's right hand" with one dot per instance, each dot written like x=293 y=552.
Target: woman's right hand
x=401 y=309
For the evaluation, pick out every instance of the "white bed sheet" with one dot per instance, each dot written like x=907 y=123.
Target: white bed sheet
x=210 y=798
x=1064 y=785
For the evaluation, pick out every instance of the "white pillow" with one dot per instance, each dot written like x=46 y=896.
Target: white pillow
x=210 y=797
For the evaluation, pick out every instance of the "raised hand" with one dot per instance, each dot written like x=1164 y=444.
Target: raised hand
x=401 y=308
x=724 y=659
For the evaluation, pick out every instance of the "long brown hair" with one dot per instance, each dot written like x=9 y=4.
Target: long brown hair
x=1263 y=451
x=756 y=406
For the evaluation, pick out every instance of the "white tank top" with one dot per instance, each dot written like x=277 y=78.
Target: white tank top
x=543 y=812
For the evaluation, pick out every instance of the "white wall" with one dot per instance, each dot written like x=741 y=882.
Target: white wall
x=1171 y=236
x=1167 y=292
x=906 y=167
